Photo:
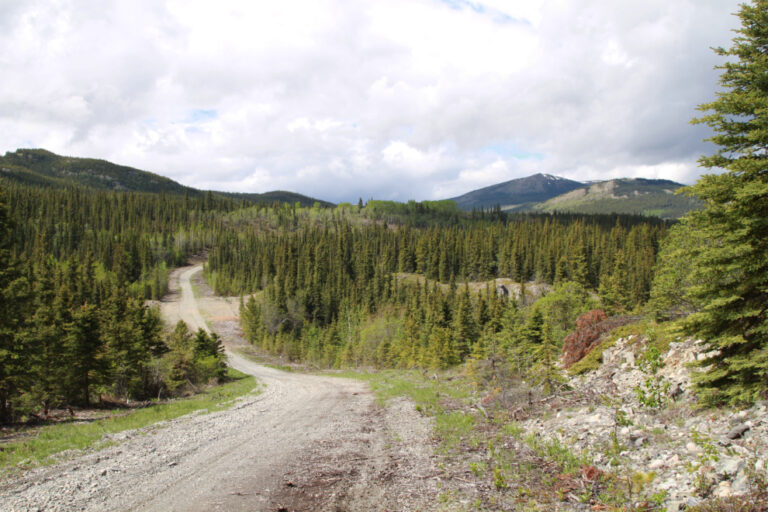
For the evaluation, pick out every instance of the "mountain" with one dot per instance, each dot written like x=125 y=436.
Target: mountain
x=518 y=194
x=547 y=193
x=633 y=196
x=43 y=168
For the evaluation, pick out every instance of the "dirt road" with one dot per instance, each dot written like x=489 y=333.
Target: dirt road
x=304 y=443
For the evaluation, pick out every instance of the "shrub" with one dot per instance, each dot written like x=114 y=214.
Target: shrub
x=590 y=330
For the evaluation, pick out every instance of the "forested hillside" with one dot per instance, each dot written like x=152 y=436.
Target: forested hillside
x=45 y=169
x=75 y=269
x=630 y=196
x=382 y=284
x=546 y=193
x=517 y=194
x=338 y=287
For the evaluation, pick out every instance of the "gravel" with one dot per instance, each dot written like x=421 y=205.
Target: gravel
x=304 y=442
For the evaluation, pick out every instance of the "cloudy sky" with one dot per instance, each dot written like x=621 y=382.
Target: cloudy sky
x=340 y=99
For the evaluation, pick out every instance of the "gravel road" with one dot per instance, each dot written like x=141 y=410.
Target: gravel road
x=304 y=442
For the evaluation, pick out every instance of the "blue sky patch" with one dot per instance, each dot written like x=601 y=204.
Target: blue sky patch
x=200 y=115
x=508 y=149
x=497 y=15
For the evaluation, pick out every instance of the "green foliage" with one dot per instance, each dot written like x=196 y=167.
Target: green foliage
x=563 y=305
x=545 y=371
x=416 y=213
x=321 y=280
x=733 y=258
x=675 y=277
x=191 y=360
x=592 y=360
x=451 y=427
x=652 y=392
x=75 y=268
x=568 y=461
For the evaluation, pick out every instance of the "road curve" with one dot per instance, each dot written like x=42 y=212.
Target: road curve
x=304 y=443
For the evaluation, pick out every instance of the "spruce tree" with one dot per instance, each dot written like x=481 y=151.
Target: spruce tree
x=14 y=298
x=734 y=221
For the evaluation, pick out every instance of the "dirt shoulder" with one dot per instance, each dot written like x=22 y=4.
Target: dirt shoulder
x=305 y=443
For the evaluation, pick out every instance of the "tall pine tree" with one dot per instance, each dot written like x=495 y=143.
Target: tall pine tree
x=734 y=221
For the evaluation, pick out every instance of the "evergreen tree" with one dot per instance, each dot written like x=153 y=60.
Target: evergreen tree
x=82 y=343
x=734 y=221
x=545 y=371
x=14 y=297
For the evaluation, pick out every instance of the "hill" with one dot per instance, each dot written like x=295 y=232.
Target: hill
x=630 y=196
x=517 y=194
x=547 y=193
x=280 y=196
x=43 y=168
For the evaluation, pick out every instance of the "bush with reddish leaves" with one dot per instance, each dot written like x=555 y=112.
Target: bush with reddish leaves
x=577 y=344
x=590 y=327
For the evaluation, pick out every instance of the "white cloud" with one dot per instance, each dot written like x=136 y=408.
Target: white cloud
x=397 y=99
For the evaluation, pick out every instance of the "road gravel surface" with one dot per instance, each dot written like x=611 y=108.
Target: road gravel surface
x=301 y=442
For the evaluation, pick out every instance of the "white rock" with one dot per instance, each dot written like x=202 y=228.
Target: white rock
x=723 y=489
x=729 y=466
x=693 y=448
x=668 y=484
x=740 y=484
x=656 y=464
x=675 y=506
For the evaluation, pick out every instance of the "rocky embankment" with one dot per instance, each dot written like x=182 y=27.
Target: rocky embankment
x=671 y=453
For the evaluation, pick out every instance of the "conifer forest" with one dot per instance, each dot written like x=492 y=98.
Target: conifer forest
x=515 y=261
x=378 y=285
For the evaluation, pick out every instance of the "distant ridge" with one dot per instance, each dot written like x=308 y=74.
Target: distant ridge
x=518 y=193
x=46 y=169
x=41 y=167
x=547 y=193
x=641 y=196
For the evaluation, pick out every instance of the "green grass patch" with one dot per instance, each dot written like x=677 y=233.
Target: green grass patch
x=453 y=426
x=425 y=392
x=430 y=396
x=592 y=360
x=659 y=335
x=54 y=439
x=568 y=461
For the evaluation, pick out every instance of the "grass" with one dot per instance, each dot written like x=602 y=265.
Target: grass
x=658 y=335
x=430 y=396
x=559 y=453
x=516 y=471
x=424 y=392
x=592 y=360
x=54 y=439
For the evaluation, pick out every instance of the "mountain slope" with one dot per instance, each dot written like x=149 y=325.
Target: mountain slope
x=279 y=196
x=633 y=196
x=43 y=168
x=517 y=194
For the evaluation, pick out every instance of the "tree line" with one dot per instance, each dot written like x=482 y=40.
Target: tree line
x=75 y=269
x=320 y=280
